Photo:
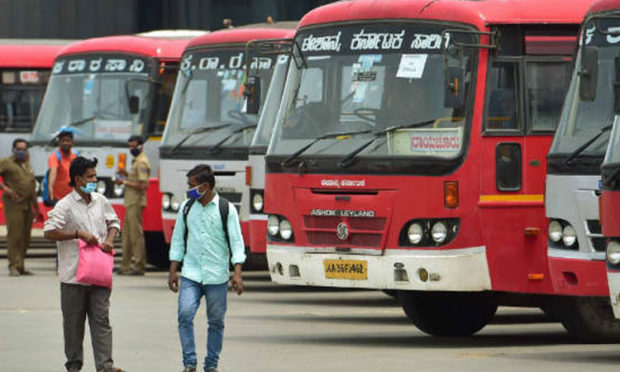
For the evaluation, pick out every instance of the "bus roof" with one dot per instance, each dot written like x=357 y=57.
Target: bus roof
x=30 y=53
x=244 y=34
x=480 y=13
x=603 y=6
x=149 y=46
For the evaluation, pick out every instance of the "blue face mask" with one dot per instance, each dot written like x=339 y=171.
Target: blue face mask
x=194 y=193
x=90 y=187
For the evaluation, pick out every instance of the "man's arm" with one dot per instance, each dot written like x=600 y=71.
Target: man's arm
x=51 y=181
x=177 y=250
x=173 y=277
x=140 y=185
x=237 y=247
x=108 y=244
x=59 y=235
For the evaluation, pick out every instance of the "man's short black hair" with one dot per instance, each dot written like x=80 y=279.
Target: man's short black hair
x=79 y=166
x=203 y=173
x=64 y=133
x=136 y=138
x=20 y=140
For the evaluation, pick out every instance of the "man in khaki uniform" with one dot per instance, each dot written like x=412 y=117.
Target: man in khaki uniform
x=20 y=204
x=136 y=183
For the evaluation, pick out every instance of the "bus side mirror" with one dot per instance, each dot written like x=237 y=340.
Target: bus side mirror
x=588 y=73
x=454 y=88
x=252 y=95
x=134 y=104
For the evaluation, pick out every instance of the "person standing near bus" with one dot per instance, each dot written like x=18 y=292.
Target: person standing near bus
x=89 y=216
x=58 y=164
x=136 y=183
x=206 y=238
x=20 y=202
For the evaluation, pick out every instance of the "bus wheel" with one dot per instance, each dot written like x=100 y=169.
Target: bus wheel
x=590 y=319
x=255 y=261
x=156 y=249
x=390 y=292
x=447 y=313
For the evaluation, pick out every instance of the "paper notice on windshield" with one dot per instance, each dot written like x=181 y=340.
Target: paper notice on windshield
x=411 y=66
x=113 y=129
x=436 y=141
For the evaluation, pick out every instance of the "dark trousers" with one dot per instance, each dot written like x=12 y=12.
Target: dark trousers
x=78 y=301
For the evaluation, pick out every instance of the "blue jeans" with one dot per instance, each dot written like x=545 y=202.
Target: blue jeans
x=190 y=295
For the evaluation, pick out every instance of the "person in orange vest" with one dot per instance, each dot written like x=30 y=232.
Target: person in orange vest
x=58 y=164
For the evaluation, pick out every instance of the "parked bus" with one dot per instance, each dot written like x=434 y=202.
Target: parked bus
x=576 y=246
x=409 y=153
x=258 y=150
x=104 y=90
x=25 y=66
x=208 y=121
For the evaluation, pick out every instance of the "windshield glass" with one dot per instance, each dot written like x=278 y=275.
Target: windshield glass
x=21 y=93
x=369 y=78
x=581 y=119
x=613 y=150
x=92 y=91
x=209 y=93
x=272 y=104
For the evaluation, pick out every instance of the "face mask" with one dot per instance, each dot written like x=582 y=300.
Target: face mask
x=193 y=193
x=90 y=187
x=20 y=155
x=135 y=151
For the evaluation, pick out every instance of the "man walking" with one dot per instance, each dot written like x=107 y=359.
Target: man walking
x=207 y=237
x=136 y=184
x=87 y=215
x=58 y=164
x=20 y=204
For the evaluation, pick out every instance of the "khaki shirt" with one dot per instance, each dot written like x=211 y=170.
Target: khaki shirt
x=140 y=171
x=72 y=213
x=19 y=178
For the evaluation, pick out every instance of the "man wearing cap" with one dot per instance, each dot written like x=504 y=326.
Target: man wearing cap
x=20 y=201
x=58 y=164
x=136 y=183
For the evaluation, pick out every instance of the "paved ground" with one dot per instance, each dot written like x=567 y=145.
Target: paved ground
x=274 y=328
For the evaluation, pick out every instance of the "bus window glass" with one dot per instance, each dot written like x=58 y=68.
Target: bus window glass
x=164 y=93
x=502 y=103
x=546 y=85
x=20 y=100
x=508 y=167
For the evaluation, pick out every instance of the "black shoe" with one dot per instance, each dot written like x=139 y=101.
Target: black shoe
x=136 y=273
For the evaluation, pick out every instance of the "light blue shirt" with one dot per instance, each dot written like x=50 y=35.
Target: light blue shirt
x=206 y=259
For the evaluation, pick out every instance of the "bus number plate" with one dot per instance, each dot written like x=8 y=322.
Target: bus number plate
x=346 y=269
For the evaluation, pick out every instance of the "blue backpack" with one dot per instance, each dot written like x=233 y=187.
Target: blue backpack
x=45 y=184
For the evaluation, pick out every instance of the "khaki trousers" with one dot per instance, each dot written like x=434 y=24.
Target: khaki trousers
x=133 y=239
x=19 y=224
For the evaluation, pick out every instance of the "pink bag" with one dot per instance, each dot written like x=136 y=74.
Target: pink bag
x=95 y=266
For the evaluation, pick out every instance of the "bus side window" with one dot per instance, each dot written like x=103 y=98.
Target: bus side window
x=508 y=166
x=546 y=85
x=502 y=98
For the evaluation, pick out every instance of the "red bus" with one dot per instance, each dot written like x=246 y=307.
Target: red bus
x=409 y=153
x=25 y=66
x=209 y=122
x=90 y=89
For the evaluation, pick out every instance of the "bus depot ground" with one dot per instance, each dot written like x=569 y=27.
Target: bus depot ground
x=282 y=328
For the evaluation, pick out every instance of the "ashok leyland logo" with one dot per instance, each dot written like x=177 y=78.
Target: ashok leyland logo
x=342 y=231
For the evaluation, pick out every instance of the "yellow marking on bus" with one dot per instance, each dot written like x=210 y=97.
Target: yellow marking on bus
x=513 y=198
x=155 y=138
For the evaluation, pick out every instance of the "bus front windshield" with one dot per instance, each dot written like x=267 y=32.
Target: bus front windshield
x=90 y=96
x=208 y=108
x=367 y=80
x=583 y=119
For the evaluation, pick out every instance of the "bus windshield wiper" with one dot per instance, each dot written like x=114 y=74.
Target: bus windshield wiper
x=348 y=160
x=587 y=144
x=294 y=156
x=198 y=131
x=223 y=140
x=74 y=124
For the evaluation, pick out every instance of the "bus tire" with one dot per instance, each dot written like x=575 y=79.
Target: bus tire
x=255 y=261
x=447 y=313
x=390 y=292
x=589 y=319
x=156 y=249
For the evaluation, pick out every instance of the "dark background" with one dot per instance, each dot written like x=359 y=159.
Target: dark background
x=79 y=19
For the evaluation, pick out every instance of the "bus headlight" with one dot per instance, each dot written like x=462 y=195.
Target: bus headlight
x=286 y=231
x=257 y=202
x=555 y=231
x=118 y=190
x=439 y=232
x=101 y=187
x=613 y=252
x=273 y=225
x=569 y=236
x=174 y=203
x=165 y=201
x=415 y=233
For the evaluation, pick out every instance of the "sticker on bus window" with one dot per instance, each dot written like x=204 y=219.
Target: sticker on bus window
x=411 y=66
x=367 y=60
x=436 y=141
x=29 y=77
x=8 y=77
x=113 y=129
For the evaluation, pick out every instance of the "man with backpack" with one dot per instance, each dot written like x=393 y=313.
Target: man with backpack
x=206 y=238
x=58 y=164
